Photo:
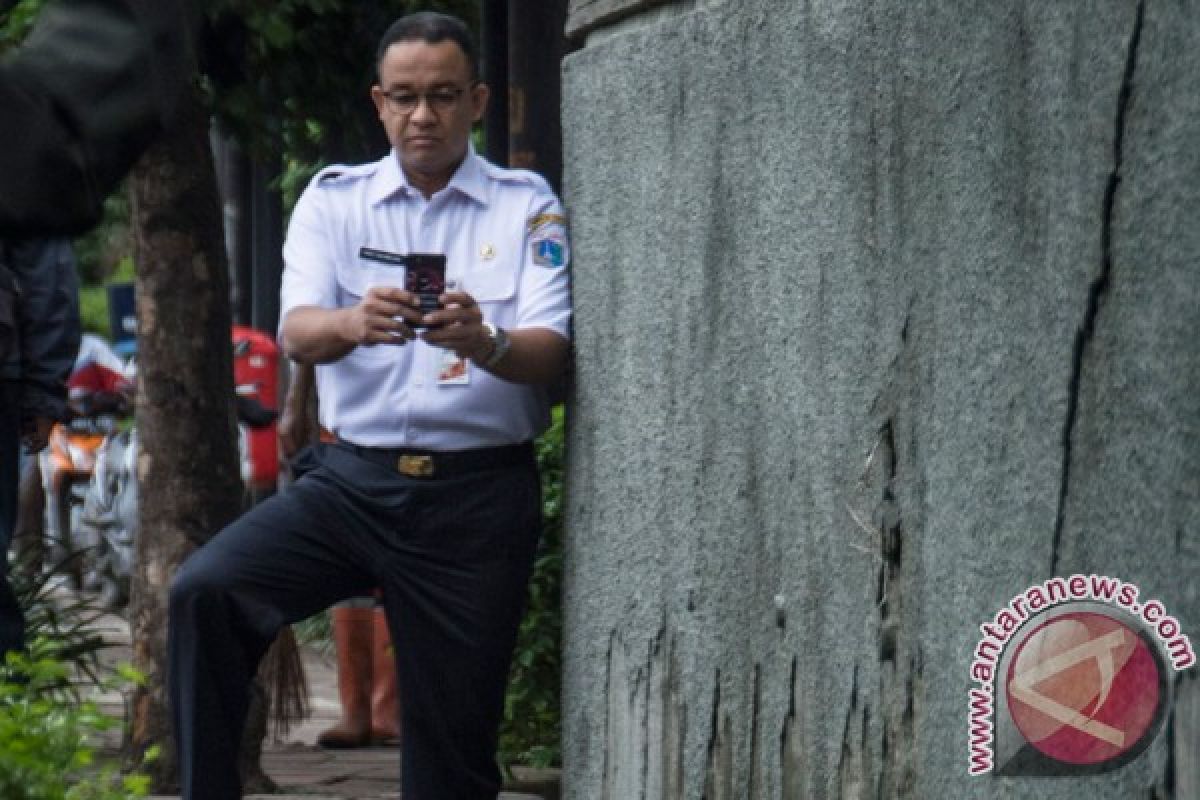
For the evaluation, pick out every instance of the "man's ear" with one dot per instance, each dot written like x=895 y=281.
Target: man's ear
x=378 y=99
x=479 y=100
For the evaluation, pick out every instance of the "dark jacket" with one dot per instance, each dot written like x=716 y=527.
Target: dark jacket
x=39 y=323
x=80 y=100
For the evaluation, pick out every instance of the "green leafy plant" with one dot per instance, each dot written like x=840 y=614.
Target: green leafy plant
x=69 y=620
x=51 y=737
x=532 y=723
x=16 y=22
x=316 y=631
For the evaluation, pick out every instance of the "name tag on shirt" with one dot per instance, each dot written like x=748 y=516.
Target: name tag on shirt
x=382 y=256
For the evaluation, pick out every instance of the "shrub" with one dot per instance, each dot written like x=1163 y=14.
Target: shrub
x=69 y=620
x=532 y=722
x=50 y=738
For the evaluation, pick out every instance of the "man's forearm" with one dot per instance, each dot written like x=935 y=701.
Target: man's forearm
x=536 y=356
x=312 y=335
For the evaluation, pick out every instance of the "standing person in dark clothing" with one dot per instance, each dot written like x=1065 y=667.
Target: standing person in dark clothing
x=431 y=490
x=39 y=334
x=80 y=100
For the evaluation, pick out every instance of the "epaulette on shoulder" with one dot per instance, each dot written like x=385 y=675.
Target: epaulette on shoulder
x=518 y=176
x=340 y=174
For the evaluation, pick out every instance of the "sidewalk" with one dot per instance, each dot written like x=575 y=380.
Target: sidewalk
x=302 y=770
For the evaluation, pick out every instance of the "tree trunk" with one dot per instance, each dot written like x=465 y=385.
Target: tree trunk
x=885 y=313
x=188 y=473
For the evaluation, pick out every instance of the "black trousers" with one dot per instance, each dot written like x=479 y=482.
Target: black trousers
x=453 y=557
x=12 y=621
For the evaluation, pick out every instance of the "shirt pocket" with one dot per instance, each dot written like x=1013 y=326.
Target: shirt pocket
x=490 y=282
x=355 y=277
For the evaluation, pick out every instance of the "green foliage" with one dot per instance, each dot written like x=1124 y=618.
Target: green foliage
x=532 y=723
x=50 y=738
x=93 y=310
x=16 y=22
x=295 y=177
x=93 y=299
x=316 y=631
x=108 y=247
x=68 y=620
x=297 y=73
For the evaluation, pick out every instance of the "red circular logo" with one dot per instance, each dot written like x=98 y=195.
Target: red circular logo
x=1084 y=688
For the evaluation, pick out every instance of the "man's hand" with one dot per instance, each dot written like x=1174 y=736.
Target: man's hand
x=458 y=326
x=36 y=434
x=313 y=335
x=383 y=316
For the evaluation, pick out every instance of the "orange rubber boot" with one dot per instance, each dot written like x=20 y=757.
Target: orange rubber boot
x=353 y=637
x=385 y=705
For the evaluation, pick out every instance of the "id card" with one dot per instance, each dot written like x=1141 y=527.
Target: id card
x=452 y=370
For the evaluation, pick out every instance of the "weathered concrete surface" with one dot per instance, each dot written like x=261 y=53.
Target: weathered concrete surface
x=885 y=312
x=584 y=15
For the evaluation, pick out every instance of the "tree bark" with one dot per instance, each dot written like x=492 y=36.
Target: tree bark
x=190 y=486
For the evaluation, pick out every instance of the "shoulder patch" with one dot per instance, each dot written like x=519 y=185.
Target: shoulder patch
x=550 y=250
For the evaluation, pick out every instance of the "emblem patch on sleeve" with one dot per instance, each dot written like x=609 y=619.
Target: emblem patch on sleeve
x=549 y=251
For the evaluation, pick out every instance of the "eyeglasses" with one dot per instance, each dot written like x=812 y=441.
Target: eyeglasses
x=439 y=100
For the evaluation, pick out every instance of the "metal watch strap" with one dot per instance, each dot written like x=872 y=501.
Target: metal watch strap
x=500 y=345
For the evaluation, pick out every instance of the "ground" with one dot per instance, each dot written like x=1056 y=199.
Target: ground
x=300 y=768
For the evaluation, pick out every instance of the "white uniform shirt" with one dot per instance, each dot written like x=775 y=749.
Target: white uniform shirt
x=505 y=243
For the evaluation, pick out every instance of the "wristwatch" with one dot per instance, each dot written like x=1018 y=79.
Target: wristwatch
x=500 y=345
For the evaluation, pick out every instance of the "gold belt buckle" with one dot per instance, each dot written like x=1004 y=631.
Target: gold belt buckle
x=415 y=466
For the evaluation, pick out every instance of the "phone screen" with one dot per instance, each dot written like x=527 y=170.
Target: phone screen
x=425 y=276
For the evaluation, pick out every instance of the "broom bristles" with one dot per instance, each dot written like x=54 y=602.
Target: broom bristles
x=282 y=675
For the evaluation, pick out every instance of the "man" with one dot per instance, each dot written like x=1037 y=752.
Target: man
x=91 y=87
x=431 y=491
x=39 y=334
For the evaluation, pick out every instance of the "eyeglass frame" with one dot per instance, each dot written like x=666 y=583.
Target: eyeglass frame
x=437 y=106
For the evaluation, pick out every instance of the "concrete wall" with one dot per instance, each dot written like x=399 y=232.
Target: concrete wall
x=885 y=312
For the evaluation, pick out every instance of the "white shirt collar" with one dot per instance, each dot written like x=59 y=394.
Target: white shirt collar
x=469 y=179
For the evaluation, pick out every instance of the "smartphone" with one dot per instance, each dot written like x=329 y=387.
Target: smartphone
x=425 y=276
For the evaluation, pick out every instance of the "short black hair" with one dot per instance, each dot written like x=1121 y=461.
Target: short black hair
x=430 y=27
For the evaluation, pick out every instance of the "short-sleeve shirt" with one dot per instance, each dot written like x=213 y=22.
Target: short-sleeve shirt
x=504 y=235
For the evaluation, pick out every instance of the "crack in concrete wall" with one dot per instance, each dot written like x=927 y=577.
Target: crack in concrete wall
x=718 y=780
x=1098 y=287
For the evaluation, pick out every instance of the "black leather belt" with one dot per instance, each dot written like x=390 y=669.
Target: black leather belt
x=443 y=464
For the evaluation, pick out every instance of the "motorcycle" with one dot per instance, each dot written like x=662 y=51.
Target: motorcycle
x=109 y=517
x=67 y=465
x=108 y=522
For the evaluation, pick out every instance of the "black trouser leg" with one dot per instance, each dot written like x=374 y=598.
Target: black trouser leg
x=454 y=598
x=12 y=620
x=453 y=557
x=279 y=563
